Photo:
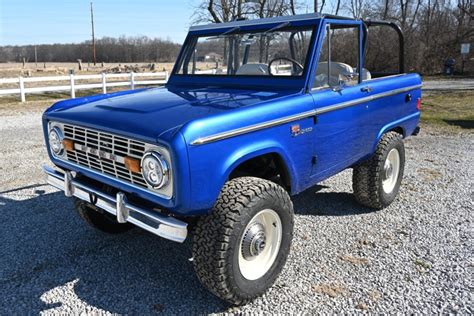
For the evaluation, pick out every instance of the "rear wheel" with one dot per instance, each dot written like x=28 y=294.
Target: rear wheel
x=100 y=219
x=376 y=182
x=241 y=247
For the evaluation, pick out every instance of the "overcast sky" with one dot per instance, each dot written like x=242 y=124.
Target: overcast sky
x=68 y=21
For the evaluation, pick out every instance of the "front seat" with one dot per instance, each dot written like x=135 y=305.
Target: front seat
x=366 y=75
x=338 y=70
x=253 y=70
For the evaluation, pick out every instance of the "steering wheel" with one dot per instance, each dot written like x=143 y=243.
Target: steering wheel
x=296 y=65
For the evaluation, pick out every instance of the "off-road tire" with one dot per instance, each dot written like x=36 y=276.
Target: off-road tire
x=367 y=177
x=217 y=236
x=100 y=219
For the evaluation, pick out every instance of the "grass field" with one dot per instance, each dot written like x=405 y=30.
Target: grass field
x=13 y=70
x=449 y=109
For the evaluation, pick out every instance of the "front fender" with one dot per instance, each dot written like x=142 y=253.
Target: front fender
x=256 y=149
x=212 y=163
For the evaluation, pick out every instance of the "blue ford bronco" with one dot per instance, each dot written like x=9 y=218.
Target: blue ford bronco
x=255 y=111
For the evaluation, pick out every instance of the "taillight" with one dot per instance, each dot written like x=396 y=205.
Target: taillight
x=418 y=104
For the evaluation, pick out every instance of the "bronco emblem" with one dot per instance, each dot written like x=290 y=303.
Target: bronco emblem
x=296 y=130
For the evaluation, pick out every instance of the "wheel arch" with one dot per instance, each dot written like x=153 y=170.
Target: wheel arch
x=398 y=128
x=244 y=156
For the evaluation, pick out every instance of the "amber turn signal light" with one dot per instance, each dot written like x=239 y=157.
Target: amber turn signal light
x=68 y=145
x=132 y=164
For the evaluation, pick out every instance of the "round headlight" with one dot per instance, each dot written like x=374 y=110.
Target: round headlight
x=56 y=140
x=155 y=170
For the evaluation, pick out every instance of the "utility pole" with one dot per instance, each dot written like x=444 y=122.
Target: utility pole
x=93 y=36
x=36 y=57
x=316 y=6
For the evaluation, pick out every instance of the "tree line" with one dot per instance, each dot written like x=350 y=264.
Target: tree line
x=123 y=49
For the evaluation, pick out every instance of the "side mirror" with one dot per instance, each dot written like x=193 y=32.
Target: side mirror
x=338 y=87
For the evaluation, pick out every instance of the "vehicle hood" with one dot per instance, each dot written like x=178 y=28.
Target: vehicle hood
x=151 y=113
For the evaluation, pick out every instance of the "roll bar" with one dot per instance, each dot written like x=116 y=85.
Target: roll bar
x=401 y=39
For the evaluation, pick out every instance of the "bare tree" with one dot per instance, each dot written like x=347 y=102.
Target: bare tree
x=434 y=30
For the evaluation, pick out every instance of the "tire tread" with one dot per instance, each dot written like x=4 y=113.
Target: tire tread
x=213 y=234
x=366 y=176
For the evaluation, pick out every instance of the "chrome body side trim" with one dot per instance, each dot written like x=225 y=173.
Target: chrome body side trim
x=158 y=224
x=291 y=118
x=252 y=128
x=365 y=99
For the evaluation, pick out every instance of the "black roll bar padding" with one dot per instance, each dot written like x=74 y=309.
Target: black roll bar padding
x=401 y=39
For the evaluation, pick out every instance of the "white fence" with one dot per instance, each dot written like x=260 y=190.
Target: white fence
x=74 y=83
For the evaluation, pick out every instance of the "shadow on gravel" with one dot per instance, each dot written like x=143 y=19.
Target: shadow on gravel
x=466 y=124
x=23 y=188
x=45 y=247
x=313 y=202
x=50 y=260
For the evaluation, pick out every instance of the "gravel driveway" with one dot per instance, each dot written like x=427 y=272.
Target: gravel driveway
x=417 y=256
x=448 y=84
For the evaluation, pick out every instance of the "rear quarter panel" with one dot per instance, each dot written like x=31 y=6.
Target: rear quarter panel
x=349 y=135
x=393 y=111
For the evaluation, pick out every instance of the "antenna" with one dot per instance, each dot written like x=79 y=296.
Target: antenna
x=93 y=35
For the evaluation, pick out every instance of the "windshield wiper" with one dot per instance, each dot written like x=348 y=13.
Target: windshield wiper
x=228 y=32
x=280 y=26
x=232 y=30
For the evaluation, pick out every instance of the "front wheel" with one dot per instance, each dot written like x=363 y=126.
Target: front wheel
x=376 y=182
x=241 y=247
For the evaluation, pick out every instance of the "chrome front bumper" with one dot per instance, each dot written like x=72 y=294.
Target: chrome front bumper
x=163 y=226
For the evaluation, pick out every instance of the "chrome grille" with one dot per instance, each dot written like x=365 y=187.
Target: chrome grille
x=106 y=142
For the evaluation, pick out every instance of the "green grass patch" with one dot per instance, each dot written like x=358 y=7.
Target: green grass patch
x=453 y=108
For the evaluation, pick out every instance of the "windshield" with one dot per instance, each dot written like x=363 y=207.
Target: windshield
x=281 y=51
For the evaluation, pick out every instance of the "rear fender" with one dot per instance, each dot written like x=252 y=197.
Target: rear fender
x=406 y=124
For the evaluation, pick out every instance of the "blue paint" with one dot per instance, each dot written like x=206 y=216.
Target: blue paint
x=189 y=108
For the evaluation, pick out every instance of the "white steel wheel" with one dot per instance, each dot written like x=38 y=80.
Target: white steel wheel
x=241 y=247
x=391 y=170
x=260 y=244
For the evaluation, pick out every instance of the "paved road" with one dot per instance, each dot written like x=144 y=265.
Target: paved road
x=414 y=257
x=448 y=84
